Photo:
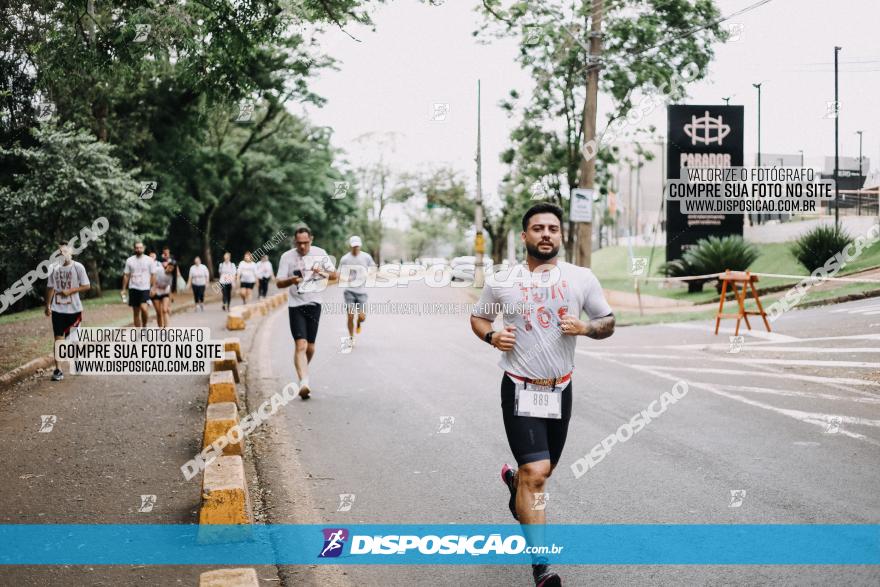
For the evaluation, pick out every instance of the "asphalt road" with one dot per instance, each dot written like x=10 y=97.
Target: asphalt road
x=791 y=418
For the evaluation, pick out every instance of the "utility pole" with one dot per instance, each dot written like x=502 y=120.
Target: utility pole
x=801 y=151
x=638 y=191
x=726 y=101
x=479 y=241
x=759 y=215
x=836 y=154
x=588 y=166
x=858 y=132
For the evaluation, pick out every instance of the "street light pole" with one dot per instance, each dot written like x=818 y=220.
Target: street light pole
x=759 y=215
x=858 y=132
x=479 y=242
x=836 y=152
x=801 y=151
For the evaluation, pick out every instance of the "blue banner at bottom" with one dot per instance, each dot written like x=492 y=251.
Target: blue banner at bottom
x=383 y=544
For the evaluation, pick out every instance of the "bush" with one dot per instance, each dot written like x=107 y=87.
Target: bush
x=816 y=246
x=712 y=255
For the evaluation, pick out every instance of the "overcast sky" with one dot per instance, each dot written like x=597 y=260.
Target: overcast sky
x=421 y=55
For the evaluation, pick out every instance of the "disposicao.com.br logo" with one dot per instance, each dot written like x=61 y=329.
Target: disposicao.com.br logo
x=402 y=544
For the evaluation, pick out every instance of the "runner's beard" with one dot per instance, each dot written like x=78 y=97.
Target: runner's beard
x=535 y=252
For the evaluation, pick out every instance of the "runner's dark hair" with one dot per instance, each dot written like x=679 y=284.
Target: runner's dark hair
x=541 y=208
x=304 y=229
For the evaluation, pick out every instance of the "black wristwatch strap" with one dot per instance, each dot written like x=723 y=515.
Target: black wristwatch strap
x=488 y=336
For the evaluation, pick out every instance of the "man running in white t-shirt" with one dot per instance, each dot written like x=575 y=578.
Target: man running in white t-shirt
x=66 y=282
x=138 y=278
x=305 y=270
x=541 y=304
x=353 y=267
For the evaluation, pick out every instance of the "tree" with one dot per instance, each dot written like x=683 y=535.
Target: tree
x=648 y=44
x=69 y=180
x=376 y=183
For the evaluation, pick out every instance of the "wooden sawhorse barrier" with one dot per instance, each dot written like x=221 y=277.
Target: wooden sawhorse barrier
x=743 y=279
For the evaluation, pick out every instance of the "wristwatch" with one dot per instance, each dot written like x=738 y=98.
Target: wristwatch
x=488 y=336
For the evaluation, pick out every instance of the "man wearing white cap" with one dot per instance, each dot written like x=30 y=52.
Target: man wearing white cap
x=353 y=269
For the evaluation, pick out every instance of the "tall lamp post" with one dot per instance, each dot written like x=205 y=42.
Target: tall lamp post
x=836 y=153
x=759 y=134
x=858 y=132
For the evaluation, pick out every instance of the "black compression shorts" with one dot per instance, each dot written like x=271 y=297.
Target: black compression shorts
x=304 y=321
x=534 y=439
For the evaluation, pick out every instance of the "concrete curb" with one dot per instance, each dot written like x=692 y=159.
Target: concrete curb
x=225 y=496
x=229 y=578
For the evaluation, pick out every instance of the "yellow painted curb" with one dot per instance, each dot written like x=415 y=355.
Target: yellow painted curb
x=227 y=363
x=229 y=578
x=221 y=387
x=234 y=321
x=219 y=420
x=225 y=498
x=233 y=344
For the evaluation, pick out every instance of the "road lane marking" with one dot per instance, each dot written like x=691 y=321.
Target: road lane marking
x=870 y=309
x=804 y=394
x=816 y=419
x=750 y=361
x=772 y=336
x=810 y=378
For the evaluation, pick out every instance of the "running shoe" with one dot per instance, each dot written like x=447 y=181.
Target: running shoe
x=508 y=478
x=57 y=375
x=304 y=391
x=544 y=577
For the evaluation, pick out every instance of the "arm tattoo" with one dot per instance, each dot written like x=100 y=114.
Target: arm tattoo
x=600 y=328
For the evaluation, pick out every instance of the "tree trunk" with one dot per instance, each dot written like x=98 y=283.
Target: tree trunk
x=569 y=243
x=207 y=259
x=94 y=277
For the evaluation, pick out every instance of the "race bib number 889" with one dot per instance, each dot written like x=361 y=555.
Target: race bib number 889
x=538 y=401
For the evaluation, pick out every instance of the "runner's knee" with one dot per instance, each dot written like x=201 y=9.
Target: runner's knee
x=534 y=474
x=301 y=344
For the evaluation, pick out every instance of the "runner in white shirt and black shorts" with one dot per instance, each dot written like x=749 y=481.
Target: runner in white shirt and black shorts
x=198 y=279
x=305 y=270
x=66 y=282
x=227 y=278
x=541 y=304
x=137 y=280
x=247 y=277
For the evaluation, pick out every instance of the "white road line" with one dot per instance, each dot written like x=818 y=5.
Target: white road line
x=810 y=378
x=823 y=338
x=816 y=419
x=806 y=349
x=750 y=361
x=859 y=310
x=804 y=394
x=772 y=336
x=749 y=346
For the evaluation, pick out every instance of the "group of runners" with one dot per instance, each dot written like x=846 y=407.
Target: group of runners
x=537 y=340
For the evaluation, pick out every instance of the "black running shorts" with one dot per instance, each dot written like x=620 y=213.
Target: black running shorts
x=136 y=297
x=304 y=321
x=534 y=439
x=62 y=323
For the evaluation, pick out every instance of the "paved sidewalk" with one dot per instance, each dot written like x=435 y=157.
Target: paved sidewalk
x=116 y=438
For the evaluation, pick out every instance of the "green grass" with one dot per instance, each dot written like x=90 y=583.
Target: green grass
x=611 y=265
x=111 y=296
